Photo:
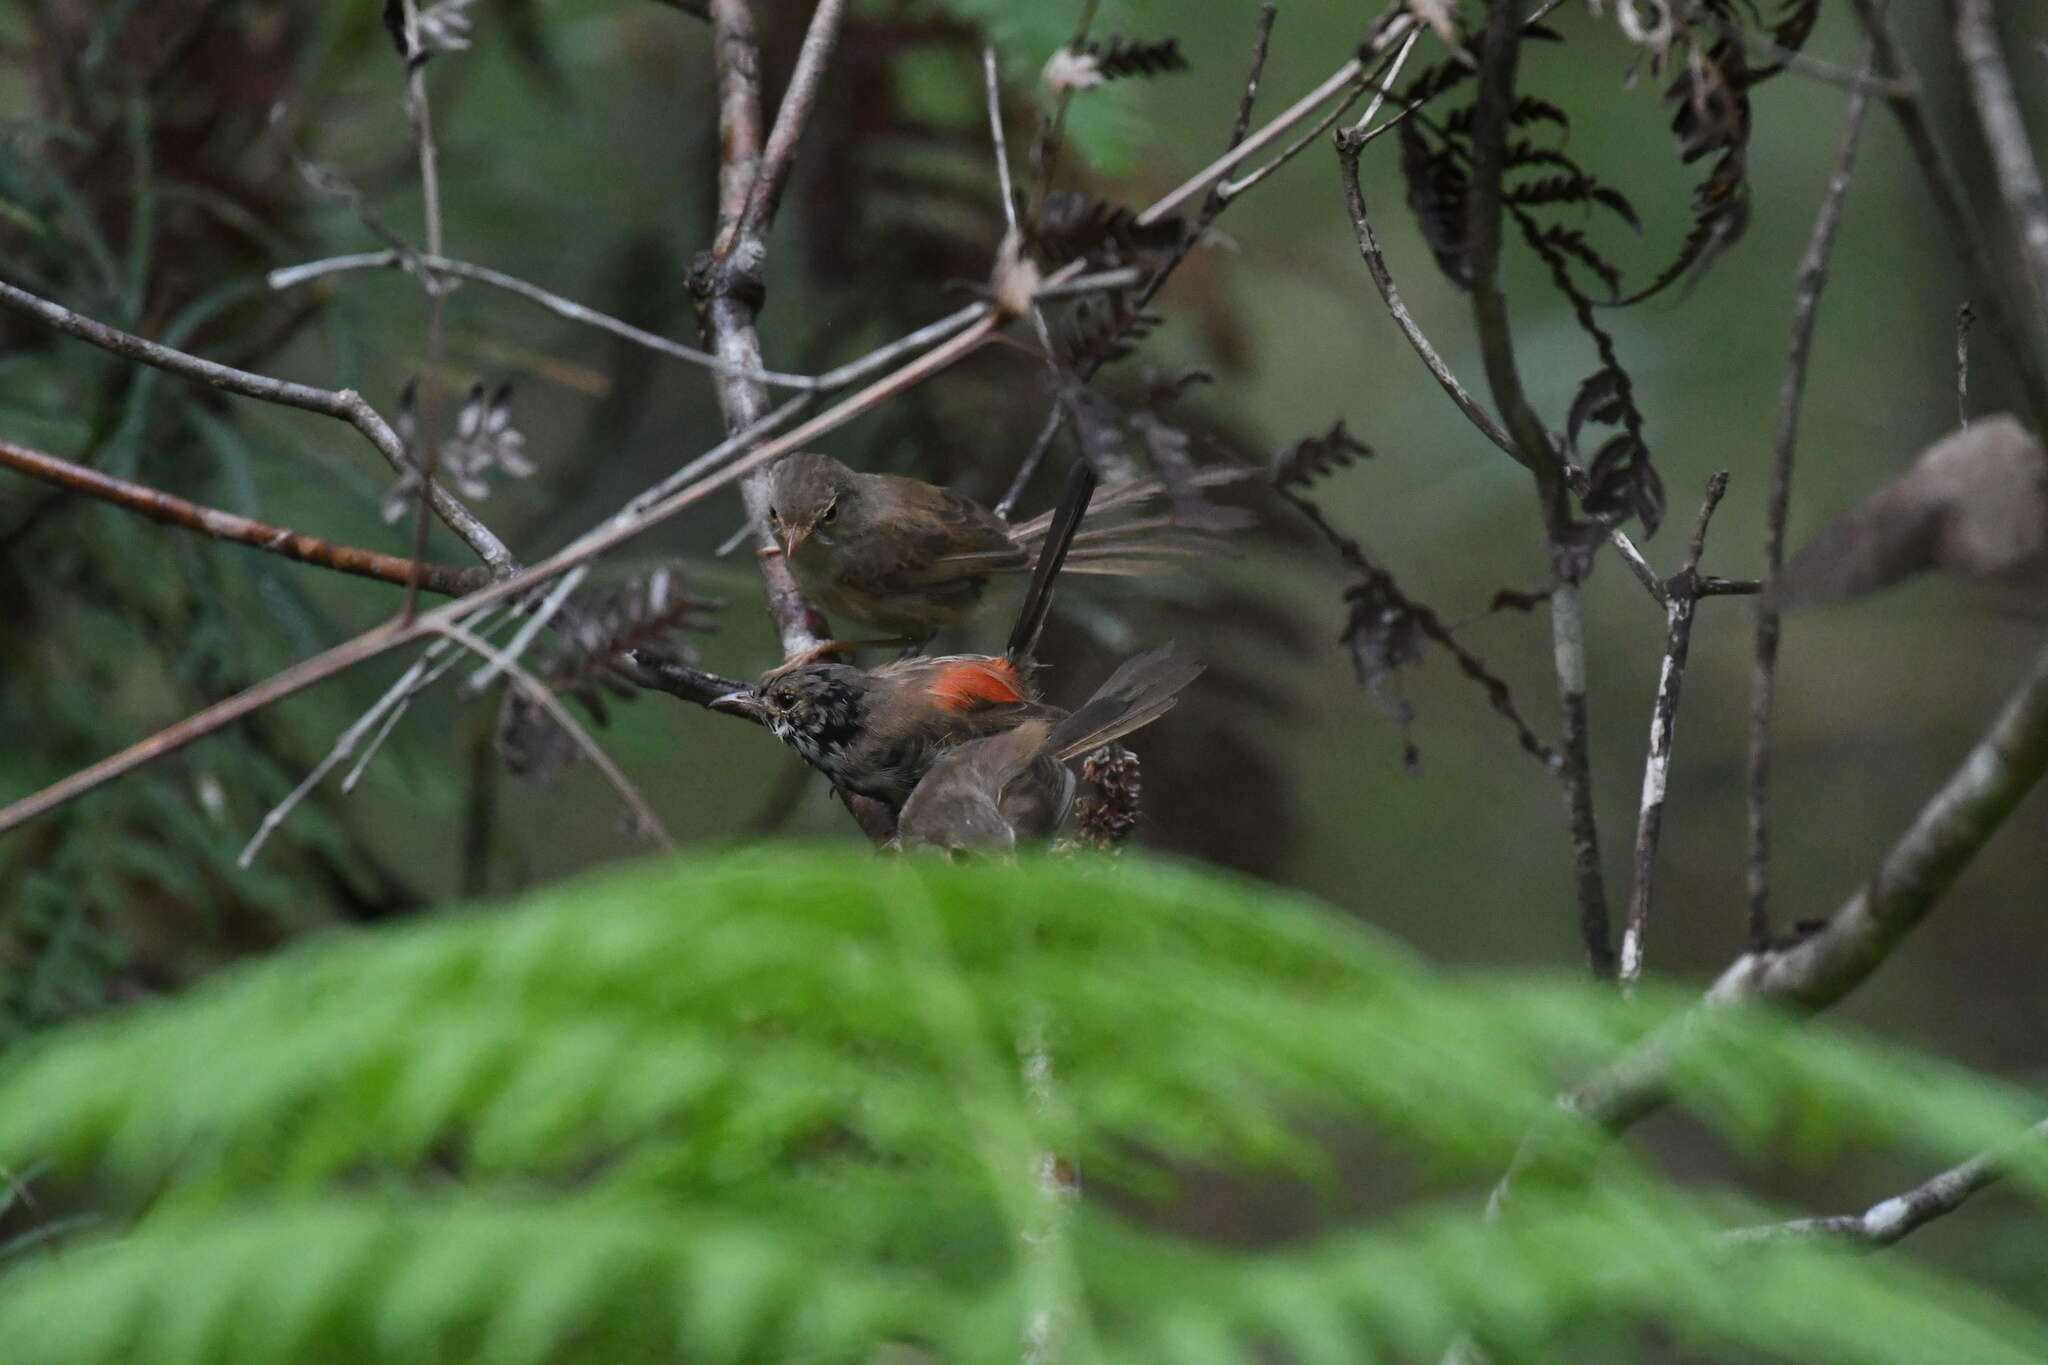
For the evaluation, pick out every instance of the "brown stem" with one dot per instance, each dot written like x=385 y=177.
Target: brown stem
x=373 y=643
x=729 y=283
x=343 y=404
x=420 y=114
x=2005 y=133
x=1949 y=197
x=172 y=510
x=1887 y=1221
x=1813 y=274
x=1532 y=448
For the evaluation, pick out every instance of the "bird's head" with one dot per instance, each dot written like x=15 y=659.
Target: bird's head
x=818 y=709
x=810 y=496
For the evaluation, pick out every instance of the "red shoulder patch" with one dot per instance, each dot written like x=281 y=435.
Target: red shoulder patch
x=971 y=684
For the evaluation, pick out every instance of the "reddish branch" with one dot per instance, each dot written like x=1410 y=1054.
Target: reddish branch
x=343 y=404
x=173 y=510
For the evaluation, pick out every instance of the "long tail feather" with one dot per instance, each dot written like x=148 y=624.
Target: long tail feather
x=1132 y=494
x=1140 y=692
x=1066 y=520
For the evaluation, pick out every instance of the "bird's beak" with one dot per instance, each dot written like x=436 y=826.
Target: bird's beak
x=793 y=539
x=740 y=704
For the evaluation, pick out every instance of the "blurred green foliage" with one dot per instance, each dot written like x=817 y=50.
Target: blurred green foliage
x=769 y=1107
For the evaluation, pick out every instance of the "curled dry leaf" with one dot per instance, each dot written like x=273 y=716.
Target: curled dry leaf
x=1974 y=502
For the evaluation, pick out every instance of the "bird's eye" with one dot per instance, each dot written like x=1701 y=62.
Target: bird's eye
x=774 y=517
x=783 y=699
x=825 y=517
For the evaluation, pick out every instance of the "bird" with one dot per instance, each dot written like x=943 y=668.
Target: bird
x=879 y=732
x=912 y=558
x=993 y=792
x=874 y=732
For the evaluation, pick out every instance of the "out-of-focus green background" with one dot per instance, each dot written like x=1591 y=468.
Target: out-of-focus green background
x=577 y=146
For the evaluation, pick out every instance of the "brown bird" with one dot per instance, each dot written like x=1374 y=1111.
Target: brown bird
x=874 y=733
x=910 y=558
x=877 y=733
x=989 y=793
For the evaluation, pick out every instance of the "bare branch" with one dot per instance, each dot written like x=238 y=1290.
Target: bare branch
x=344 y=404
x=2005 y=133
x=1682 y=594
x=1814 y=971
x=290 y=277
x=172 y=510
x=545 y=612
x=1886 y=1222
x=1250 y=146
x=1532 y=447
x=648 y=823
x=382 y=639
x=420 y=114
x=764 y=194
x=729 y=284
x=1954 y=203
x=384 y=714
x=1812 y=278
x=1349 y=145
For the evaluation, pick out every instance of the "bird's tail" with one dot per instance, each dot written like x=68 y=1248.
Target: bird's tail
x=1049 y=554
x=1138 y=693
x=1113 y=541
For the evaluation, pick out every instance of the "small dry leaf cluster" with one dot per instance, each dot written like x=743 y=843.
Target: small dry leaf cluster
x=654 y=613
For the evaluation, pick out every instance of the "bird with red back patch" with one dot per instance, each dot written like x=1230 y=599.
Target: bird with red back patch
x=874 y=732
x=878 y=732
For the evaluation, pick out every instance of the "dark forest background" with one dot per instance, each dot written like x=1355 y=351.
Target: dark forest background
x=150 y=174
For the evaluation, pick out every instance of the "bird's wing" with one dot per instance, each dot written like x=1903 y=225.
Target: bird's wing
x=936 y=536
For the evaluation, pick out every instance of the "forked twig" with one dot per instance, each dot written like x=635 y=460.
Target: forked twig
x=1682 y=596
x=1888 y=1220
x=1812 y=278
x=649 y=823
x=342 y=404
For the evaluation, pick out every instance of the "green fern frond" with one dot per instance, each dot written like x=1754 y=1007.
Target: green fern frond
x=547 y=1132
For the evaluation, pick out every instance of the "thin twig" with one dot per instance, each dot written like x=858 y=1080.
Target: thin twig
x=1682 y=593
x=387 y=708
x=648 y=822
x=1055 y=417
x=515 y=647
x=764 y=193
x=2005 y=133
x=172 y=510
x=1887 y=1221
x=343 y=404
x=1950 y=197
x=1812 y=278
x=420 y=114
x=1430 y=625
x=729 y=285
x=384 y=638
x=1531 y=446
x=290 y=277
x=1250 y=146
x=1965 y=315
x=1349 y=145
